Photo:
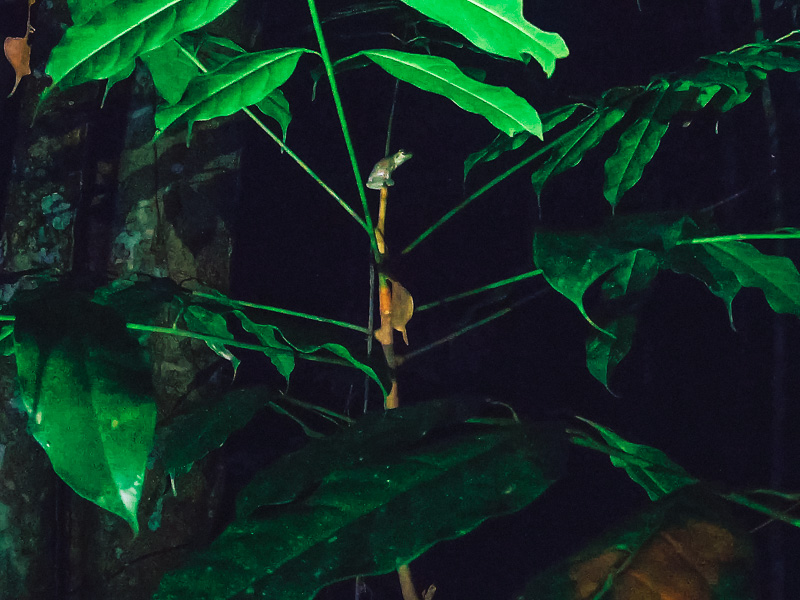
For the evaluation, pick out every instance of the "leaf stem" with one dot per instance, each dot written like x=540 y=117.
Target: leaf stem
x=491 y=286
x=326 y=60
x=283 y=311
x=792 y=235
x=288 y=150
x=477 y=194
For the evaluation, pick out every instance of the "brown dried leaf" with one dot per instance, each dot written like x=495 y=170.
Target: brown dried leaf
x=18 y=53
x=402 y=308
x=677 y=564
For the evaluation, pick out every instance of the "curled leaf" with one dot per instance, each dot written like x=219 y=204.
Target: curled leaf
x=18 y=52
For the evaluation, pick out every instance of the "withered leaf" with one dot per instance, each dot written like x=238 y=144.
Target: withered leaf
x=402 y=308
x=18 y=52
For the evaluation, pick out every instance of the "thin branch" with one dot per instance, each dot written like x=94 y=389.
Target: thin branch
x=491 y=286
x=790 y=235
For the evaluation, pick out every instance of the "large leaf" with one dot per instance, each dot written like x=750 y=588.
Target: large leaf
x=499 y=105
x=170 y=69
x=386 y=504
x=241 y=82
x=497 y=26
x=683 y=548
x=647 y=466
x=86 y=387
x=109 y=41
x=776 y=276
x=203 y=427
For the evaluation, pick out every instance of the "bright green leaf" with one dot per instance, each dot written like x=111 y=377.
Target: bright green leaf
x=499 y=105
x=113 y=37
x=241 y=82
x=86 y=388
x=82 y=10
x=170 y=69
x=385 y=505
x=497 y=26
x=276 y=107
x=776 y=276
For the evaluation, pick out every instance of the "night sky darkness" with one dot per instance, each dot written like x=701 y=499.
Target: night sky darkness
x=691 y=386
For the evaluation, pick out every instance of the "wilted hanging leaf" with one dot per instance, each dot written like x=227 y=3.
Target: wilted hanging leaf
x=402 y=308
x=18 y=52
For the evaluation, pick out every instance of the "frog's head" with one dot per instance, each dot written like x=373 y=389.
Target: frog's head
x=401 y=156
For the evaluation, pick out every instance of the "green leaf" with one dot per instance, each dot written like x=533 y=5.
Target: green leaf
x=776 y=276
x=682 y=547
x=639 y=142
x=86 y=388
x=274 y=338
x=497 y=26
x=604 y=352
x=570 y=148
x=276 y=107
x=499 y=105
x=207 y=322
x=170 y=69
x=503 y=143
x=112 y=38
x=82 y=10
x=647 y=466
x=385 y=505
x=243 y=81
x=205 y=426
x=766 y=55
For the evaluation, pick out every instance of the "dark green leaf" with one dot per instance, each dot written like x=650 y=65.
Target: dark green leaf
x=171 y=70
x=604 y=353
x=86 y=388
x=189 y=436
x=403 y=487
x=207 y=322
x=647 y=466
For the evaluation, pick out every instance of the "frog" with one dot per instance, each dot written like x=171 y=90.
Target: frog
x=381 y=175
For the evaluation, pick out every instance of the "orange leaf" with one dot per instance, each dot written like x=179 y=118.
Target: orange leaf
x=18 y=52
x=402 y=309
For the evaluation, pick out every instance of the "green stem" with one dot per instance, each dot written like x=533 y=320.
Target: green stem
x=326 y=60
x=283 y=311
x=741 y=236
x=470 y=327
x=289 y=151
x=477 y=194
x=491 y=286
x=762 y=508
x=233 y=343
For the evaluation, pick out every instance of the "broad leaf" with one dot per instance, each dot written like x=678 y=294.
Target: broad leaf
x=170 y=69
x=499 y=105
x=384 y=505
x=647 y=466
x=776 y=276
x=86 y=387
x=680 y=549
x=243 y=81
x=604 y=352
x=82 y=10
x=497 y=26
x=203 y=427
x=109 y=41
